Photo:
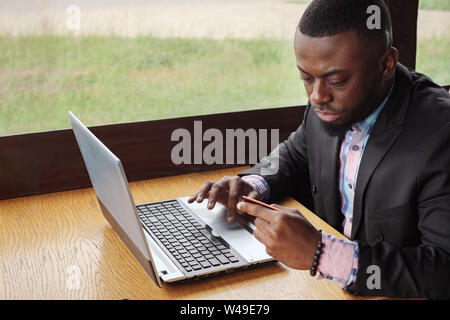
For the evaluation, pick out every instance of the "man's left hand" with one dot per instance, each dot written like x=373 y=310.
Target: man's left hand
x=287 y=235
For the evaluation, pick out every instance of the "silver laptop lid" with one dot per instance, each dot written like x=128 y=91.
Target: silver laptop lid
x=111 y=187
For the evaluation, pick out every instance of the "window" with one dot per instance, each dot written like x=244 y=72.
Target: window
x=433 y=40
x=119 y=61
x=115 y=61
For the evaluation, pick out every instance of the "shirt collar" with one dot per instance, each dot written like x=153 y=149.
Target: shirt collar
x=368 y=123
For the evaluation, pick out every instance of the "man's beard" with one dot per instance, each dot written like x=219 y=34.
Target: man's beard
x=358 y=114
x=335 y=129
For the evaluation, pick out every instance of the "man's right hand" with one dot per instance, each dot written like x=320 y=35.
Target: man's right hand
x=227 y=191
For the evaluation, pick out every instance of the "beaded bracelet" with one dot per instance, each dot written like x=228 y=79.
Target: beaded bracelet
x=316 y=257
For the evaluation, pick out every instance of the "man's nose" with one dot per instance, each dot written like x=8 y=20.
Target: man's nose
x=320 y=94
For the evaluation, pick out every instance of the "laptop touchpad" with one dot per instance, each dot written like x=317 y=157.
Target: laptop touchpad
x=232 y=232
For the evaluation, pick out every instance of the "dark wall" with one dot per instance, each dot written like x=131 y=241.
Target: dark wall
x=51 y=161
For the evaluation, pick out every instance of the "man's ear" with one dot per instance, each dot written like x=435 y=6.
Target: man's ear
x=388 y=63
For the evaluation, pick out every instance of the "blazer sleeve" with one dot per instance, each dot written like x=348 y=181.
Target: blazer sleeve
x=421 y=271
x=285 y=169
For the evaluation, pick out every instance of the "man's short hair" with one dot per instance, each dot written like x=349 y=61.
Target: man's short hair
x=330 y=17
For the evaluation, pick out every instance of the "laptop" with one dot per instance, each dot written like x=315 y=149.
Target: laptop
x=173 y=240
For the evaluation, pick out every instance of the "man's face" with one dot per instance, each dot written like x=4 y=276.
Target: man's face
x=340 y=77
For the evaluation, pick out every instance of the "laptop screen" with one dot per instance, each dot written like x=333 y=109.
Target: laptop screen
x=109 y=182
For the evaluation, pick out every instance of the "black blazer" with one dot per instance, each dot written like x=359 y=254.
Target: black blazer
x=401 y=215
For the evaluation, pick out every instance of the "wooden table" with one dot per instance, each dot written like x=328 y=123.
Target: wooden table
x=48 y=239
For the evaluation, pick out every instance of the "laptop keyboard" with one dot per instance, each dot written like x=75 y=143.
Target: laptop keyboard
x=187 y=241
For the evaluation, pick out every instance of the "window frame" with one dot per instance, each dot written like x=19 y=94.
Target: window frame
x=36 y=163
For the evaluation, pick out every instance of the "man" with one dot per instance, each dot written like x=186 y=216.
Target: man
x=371 y=158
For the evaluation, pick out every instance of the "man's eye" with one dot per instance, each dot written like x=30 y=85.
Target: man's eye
x=337 y=83
x=307 y=80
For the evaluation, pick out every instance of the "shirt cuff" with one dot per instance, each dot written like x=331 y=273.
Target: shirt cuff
x=260 y=185
x=339 y=260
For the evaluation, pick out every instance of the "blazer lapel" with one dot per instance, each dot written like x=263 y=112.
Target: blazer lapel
x=385 y=132
x=329 y=181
